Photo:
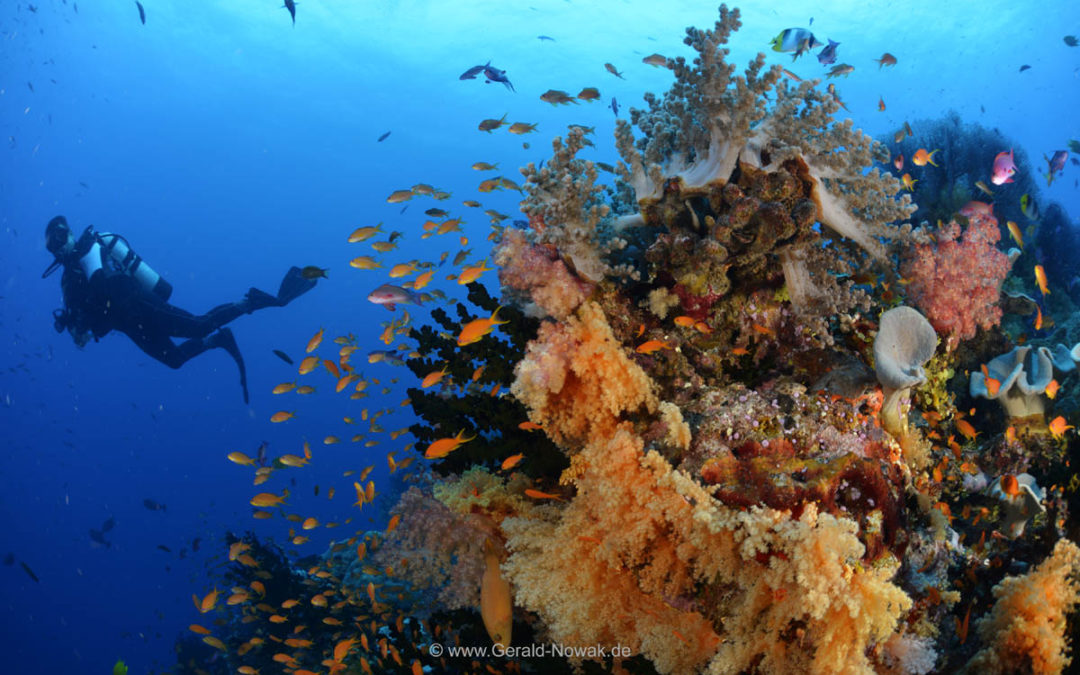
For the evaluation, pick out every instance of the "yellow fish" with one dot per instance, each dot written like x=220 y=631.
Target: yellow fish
x=496 y=602
x=362 y=233
x=402 y=269
x=308 y=364
x=284 y=387
x=1014 y=232
x=364 y=262
x=315 y=341
x=1040 y=279
x=241 y=459
x=268 y=499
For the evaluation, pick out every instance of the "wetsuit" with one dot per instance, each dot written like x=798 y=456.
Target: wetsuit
x=110 y=300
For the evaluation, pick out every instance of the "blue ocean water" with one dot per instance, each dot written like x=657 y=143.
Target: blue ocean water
x=228 y=144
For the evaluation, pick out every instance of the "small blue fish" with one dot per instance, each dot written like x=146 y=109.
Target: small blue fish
x=614 y=106
x=291 y=6
x=827 y=56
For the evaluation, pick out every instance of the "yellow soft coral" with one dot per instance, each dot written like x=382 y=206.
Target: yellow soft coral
x=577 y=380
x=1025 y=631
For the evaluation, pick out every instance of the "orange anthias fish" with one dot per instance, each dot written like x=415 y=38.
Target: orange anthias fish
x=475 y=330
x=651 y=346
x=992 y=385
x=965 y=428
x=922 y=157
x=512 y=461
x=881 y=104
x=529 y=426
x=471 y=274
x=1014 y=232
x=536 y=494
x=282 y=416
x=315 y=341
x=1058 y=427
x=444 y=446
x=1040 y=279
x=898 y=162
x=1052 y=388
x=886 y=59
x=908 y=182
x=1009 y=485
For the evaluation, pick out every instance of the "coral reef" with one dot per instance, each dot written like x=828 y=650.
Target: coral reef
x=678 y=444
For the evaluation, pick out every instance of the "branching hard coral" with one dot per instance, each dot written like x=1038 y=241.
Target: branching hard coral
x=956 y=282
x=577 y=380
x=1025 y=631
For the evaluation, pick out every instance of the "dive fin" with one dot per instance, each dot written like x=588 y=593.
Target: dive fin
x=224 y=339
x=257 y=299
x=293 y=286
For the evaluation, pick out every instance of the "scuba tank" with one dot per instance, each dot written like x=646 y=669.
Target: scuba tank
x=114 y=248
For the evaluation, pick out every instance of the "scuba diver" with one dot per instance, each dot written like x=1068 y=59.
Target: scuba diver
x=107 y=286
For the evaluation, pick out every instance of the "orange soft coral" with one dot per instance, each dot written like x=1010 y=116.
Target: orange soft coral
x=642 y=553
x=577 y=380
x=605 y=569
x=1025 y=631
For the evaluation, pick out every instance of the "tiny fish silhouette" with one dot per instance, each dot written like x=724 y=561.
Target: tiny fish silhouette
x=142 y=12
x=291 y=6
x=383 y=137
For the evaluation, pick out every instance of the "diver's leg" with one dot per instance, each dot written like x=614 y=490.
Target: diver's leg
x=162 y=348
x=177 y=322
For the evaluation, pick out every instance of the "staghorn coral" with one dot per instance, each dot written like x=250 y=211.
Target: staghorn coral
x=1025 y=631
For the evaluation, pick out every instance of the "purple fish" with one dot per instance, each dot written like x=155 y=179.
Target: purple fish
x=827 y=56
x=391 y=296
x=1055 y=164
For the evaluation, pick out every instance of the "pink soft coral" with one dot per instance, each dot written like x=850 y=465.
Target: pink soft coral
x=956 y=282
